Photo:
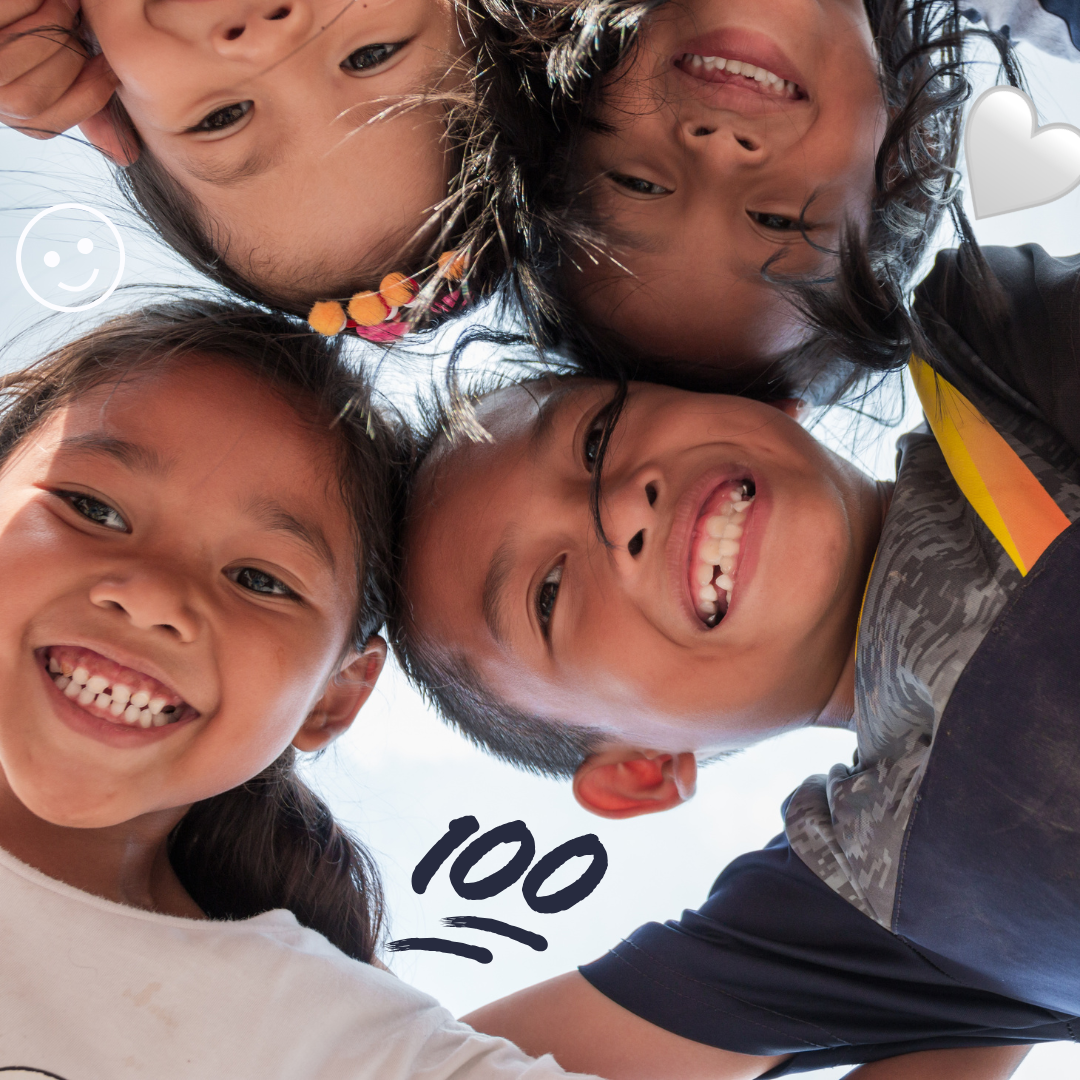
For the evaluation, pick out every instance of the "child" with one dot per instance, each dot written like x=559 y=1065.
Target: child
x=746 y=188
x=622 y=581
x=193 y=539
x=294 y=151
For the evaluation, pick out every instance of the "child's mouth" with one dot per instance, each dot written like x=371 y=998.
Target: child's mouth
x=111 y=692
x=715 y=549
x=718 y=69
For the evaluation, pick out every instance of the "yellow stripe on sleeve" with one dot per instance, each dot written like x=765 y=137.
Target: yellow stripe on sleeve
x=1002 y=490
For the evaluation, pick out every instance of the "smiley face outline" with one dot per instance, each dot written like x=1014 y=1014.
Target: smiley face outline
x=60 y=307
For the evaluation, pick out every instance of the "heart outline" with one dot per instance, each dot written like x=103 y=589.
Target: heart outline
x=981 y=159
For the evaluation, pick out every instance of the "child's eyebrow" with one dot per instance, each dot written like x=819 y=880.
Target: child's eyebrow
x=274 y=517
x=131 y=455
x=491 y=603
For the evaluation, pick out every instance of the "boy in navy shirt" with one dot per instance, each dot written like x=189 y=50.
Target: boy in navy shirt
x=706 y=592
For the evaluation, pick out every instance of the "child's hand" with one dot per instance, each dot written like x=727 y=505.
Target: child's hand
x=47 y=83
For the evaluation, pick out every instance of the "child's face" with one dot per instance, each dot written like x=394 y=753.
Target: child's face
x=706 y=172
x=505 y=566
x=180 y=536
x=259 y=110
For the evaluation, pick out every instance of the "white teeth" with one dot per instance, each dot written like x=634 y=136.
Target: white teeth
x=96 y=683
x=54 y=665
x=80 y=675
x=102 y=701
x=735 y=67
x=721 y=63
x=117 y=707
x=121 y=693
x=155 y=705
x=131 y=714
x=717 y=552
x=160 y=719
x=141 y=699
x=145 y=718
x=710 y=63
x=63 y=682
x=73 y=689
x=85 y=696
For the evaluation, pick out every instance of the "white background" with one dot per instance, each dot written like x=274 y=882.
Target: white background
x=399 y=776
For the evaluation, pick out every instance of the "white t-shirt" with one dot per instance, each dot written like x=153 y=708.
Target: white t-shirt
x=92 y=990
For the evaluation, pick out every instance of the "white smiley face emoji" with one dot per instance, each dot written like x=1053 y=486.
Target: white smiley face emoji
x=49 y=265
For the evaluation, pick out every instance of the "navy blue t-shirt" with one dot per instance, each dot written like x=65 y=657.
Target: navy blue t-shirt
x=928 y=895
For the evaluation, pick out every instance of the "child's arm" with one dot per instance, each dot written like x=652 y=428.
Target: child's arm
x=587 y=1032
x=47 y=83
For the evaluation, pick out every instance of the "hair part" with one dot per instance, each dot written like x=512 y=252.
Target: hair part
x=271 y=842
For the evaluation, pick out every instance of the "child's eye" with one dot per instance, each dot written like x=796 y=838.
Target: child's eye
x=220 y=119
x=94 y=510
x=593 y=437
x=370 y=56
x=258 y=581
x=637 y=186
x=546 y=596
x=776 y=222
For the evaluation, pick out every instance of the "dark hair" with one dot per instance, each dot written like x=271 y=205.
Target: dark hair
x=859 y=317
x=443 y=674
x=487 y=137
x=270 y=842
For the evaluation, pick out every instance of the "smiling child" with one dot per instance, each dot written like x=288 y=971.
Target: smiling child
x=194 y=513
x=740 y=192
x=295 y=151
x=621 y=581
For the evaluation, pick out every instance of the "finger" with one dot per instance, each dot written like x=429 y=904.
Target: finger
x=32 y=40
x=42 y=87
x=12 y=11
x=87 y=95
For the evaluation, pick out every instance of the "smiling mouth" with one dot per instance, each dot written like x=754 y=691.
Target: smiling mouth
x=718 y=69
x=715 y=549
x=111 y=692
x=79 y=288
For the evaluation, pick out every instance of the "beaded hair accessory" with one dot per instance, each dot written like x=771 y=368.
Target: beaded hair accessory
x=383 y=315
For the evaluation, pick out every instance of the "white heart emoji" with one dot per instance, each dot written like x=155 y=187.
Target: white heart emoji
x=1013 y=164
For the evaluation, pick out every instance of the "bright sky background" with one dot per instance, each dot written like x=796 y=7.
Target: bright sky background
x=399 y=777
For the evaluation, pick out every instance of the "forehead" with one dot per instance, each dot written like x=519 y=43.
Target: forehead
x=205 y=427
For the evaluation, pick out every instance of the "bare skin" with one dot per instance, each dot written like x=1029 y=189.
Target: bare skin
x=163 y=508
x=267 y=112
x=587 y=1032
x=504 y=566
x=704 y=175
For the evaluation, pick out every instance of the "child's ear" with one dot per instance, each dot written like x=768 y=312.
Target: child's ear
x=623 y=782
x=105 y=131
x=347 y=691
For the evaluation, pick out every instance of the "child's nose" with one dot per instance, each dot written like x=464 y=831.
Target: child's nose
x=631 y=519
x=263 y=30
x=150 y=601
